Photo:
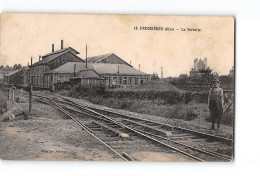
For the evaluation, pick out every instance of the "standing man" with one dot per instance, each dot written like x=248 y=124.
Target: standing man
x=215 y=103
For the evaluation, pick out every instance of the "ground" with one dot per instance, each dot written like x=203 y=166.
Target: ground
x=49 y=135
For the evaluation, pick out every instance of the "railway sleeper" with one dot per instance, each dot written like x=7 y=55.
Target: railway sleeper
x=162 y=132
x=113 y=130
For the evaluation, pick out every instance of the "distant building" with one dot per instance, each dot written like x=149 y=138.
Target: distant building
x=18 y=77
x=199 y=66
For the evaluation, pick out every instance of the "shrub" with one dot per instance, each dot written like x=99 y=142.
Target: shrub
x=124 y=104
x=190 y=115
x=187 y=97
x=172 y=97
x=3 y=105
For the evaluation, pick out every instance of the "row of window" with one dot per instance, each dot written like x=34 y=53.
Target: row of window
x=125 y=80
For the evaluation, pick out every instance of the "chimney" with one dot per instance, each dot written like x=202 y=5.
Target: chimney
x=139 y=66
x=74 y=70
x=39 y=58
x=31 y=60
x=61 y=44
x=52 y=47
x=118 y=69
x=86 y=56
x=130 y=62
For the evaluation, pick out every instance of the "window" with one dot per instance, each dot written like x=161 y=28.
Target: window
x=136 y=81
x=142 y=80
x=109 y=80
x=57 y=78
x=120 y=80
x=124 y=80
x=114 y=81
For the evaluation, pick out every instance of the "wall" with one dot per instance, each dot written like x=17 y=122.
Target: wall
x=37 y=73
x=112 y=81
x=66 y=57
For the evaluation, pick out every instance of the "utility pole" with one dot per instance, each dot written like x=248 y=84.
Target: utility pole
x=161 y=72
x=30 y=90
x=30 y=95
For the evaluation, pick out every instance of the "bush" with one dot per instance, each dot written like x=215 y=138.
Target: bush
x=187 y=97
x=190 y=115
x=172 y=98
x=3 y=105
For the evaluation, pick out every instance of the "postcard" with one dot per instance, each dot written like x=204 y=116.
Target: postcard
x=80 y=87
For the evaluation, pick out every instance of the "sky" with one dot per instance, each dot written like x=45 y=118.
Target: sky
x=26 y=35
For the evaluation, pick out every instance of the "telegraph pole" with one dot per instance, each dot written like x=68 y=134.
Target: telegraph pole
x=161 y=72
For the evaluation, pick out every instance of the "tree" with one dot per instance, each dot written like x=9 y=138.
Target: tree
x=7 y=68
x=154 y=76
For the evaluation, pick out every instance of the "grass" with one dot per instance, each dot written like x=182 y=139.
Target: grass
x=187 y=106
x=3 y=102
x=157 y=107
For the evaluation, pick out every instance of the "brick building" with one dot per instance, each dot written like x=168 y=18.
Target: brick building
x=39 y=71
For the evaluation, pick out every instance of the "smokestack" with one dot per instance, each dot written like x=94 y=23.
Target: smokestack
x=52 y=47
x=31 y=60
x=61 y=44
x=74 y=70
x=86 y=56
x=139 y=66
x=118 y=69
x=39 y=58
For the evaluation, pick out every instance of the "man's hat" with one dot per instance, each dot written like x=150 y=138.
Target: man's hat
x=215 y=80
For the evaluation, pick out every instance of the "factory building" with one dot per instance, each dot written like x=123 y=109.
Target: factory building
x=64 y=65
x=39 y=71
x=112 y=75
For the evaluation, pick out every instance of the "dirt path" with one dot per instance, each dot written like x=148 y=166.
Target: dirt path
x=46 y=135
x=49 y=135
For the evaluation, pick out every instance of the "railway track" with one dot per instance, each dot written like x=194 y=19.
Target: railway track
x=100 y=122
x=123 y=132
x=185 y=139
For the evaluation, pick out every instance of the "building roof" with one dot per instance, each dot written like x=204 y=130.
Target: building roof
x=97 y=59
x=89 y=74
x=100 y=68
x=13 y=72
x=105 y=68
x=59 y=51
x=94 y=59
x=69 y=67
x=50 y=56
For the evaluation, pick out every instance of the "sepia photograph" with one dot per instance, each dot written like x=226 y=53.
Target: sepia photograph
x=139 y=88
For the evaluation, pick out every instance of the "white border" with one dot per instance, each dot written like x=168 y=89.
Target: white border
x=247 y=156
